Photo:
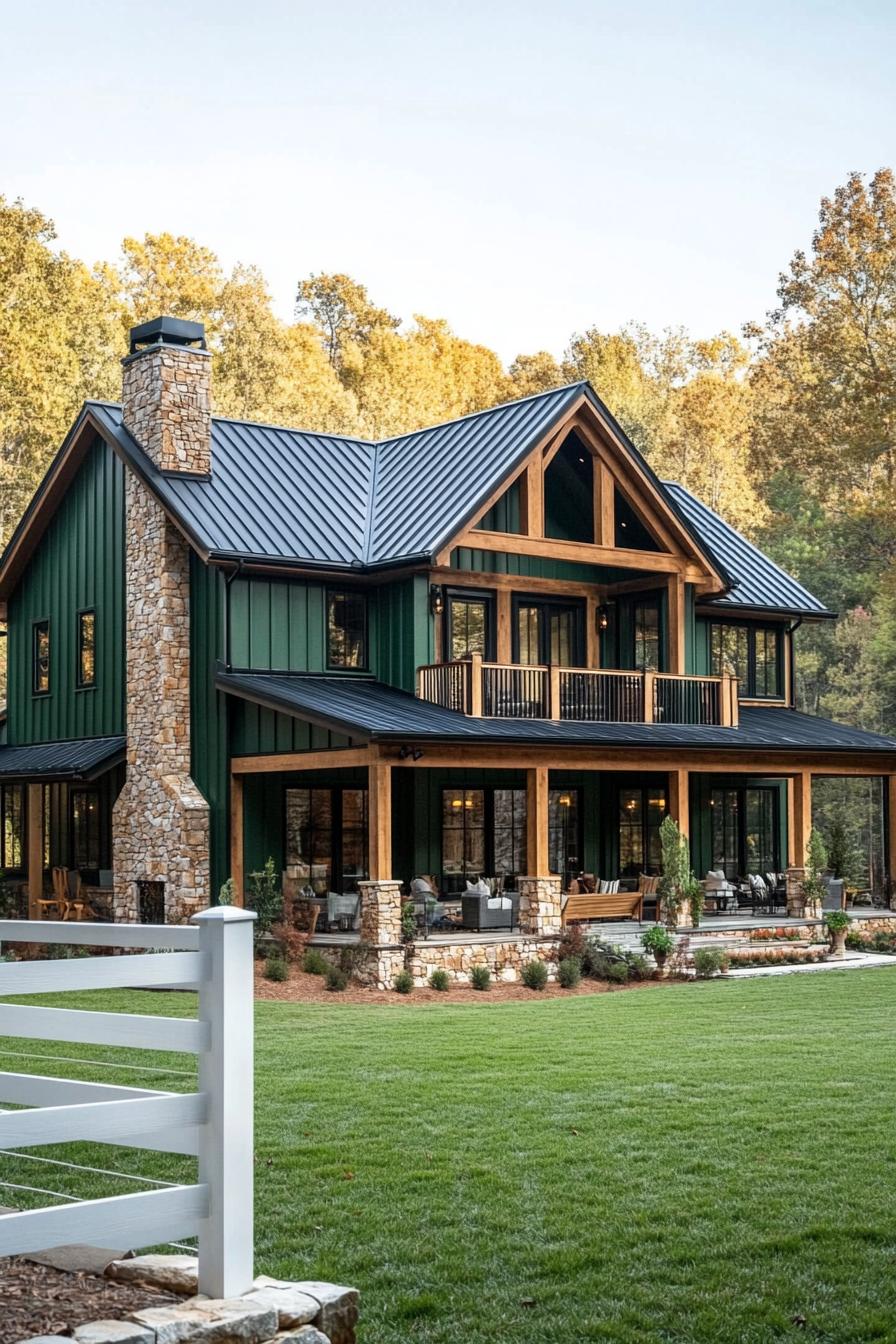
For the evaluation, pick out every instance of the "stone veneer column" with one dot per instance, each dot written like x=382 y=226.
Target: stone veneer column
x=796 y=904
x=381 y=928
x=160 y=822
x=540 y=908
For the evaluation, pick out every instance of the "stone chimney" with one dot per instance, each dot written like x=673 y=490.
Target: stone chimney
x=160 y=822
x=166 y=402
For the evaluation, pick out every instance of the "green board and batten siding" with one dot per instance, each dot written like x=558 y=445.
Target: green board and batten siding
x=78 y=564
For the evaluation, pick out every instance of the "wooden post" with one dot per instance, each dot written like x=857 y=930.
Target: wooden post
x=537 y=824
x=554 y=691
x=725 y=701
x=792 y=861
x=237 y=872
x=379 y=820
x=475 y=701
x=649 y=683
x=504 y=641
x=679 y=800
x=802 y=815
x=604 y=504
x=891 y=833
x=675 y=623
x=35 y=848
x=592 y=634
x=532 y=498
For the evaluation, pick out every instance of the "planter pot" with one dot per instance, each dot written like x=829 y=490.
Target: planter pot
x=662 y=969
x=838 y=944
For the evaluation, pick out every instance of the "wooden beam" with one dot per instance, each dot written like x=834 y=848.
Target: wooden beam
x=35 y=849
x=791 y=825
x=604 y=504
x=675 y=624
x=582 y=553
x=469 y=578
x=337 y=758
x=237 y=829
x=679 y=800
x=802 y=815
x=504 y=637
x=592 y=635
x=589 y=758
x=891 y=829
x=532 y=498
x=537 y=822
x=379 y=820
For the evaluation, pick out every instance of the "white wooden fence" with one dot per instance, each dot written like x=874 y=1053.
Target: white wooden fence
x=214 y=1124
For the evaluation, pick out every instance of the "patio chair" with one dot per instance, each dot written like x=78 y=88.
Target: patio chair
x=481 y=911
x=343 y=910
x=78 y=905
x=718 y=890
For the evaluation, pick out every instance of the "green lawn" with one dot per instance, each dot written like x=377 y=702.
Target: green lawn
x=692 y=1163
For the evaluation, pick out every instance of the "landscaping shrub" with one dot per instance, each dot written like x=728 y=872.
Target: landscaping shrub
x=353 y=957
x=275 y=968
x=263 y=895
x=572 y=943
x=638 y=968
x=616 y=973
x=778 y=956
x=481 y=977
x=403 y=982
x=659 y=942
x=569 y=972
x=314 y=962
x=535 y=975
x=604 y=961
x=408 y=922
x=710 y=961
x=439 y=980
x=336 y=979
x=292 y=941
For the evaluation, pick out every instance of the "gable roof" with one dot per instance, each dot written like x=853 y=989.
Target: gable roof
x=296 y=498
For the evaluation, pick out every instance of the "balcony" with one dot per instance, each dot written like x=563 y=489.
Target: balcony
x=516 y=691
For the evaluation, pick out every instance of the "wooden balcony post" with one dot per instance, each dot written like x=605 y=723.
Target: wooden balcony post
x=725 y=701
x=802 y=816
x=474 y=703
x=735 y=703
x=649 y=680
x=554 y=691
x=237 y=872
x=379 y=820
x=676 y=621
x=537 y=848
x=35 y=848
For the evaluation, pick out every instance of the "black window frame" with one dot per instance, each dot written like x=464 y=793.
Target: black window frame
x=80 y=683
x=575 y=605
x=488 y=792
x=89 y=794
x=483 y=595
x=718 y=794
x=653 y=603
x=635 y=785
x=336 y=880
x=362 y=597
x=752 y=629
x=5 y=865
x=41 y=624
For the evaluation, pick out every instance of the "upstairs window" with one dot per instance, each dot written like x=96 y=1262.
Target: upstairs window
x=346 y=630
x=470 y=626
x=85 y=673
x=753 y=654
x=646 y=622
x=40 y=657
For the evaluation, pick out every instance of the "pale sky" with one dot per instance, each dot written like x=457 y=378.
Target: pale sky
x=524 y=169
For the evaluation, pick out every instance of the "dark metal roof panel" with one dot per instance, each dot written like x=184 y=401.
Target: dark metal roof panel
x=369 y=709
x=429 y=483
x=760 y=583
x=80 y=759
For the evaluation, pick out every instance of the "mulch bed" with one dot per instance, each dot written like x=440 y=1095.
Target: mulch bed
x=38 y=1300
x=302 y=988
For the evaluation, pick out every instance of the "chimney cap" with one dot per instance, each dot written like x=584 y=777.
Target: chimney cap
x=167 y=331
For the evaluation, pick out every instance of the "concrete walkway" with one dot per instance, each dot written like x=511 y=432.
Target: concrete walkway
x=853 y=961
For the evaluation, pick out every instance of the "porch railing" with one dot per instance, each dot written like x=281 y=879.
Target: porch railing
x=521 y=691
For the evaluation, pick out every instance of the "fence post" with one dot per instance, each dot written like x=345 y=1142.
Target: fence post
x=226 y=1155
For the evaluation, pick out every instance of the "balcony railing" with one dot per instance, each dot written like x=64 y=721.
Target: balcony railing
x=521 y=691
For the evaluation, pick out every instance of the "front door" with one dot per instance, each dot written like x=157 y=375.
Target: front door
x=548 y=632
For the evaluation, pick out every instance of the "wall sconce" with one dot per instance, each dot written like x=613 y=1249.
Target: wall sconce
x=603 y=616
x=436 y=600
x=564 y=800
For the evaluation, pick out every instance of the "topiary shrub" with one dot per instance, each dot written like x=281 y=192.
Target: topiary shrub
x=481 y=977
x=336 y=979
x=275 y=968
x=403 y=982
x=314 y=962
x=569 y=972
x=709 y=961
x=440 y=980
x=535 y=975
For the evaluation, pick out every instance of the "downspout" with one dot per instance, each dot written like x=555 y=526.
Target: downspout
x=792 y=678
x=228 y=580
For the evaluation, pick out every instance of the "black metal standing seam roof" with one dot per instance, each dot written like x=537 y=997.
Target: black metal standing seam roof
x=366 y=709
x=83 y=758
x=760 y=582
x=342 y=503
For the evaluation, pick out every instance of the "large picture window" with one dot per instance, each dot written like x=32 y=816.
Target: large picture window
x=640 y=813
x=40 y=657
x=745 y=831
x=327 y=837
x=564 y=849
x=85 y=813
x=12 y=826
x=346 y=630
x=753 y=653
x=463 y=837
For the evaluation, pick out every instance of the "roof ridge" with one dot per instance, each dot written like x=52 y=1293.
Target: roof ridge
x=487 y=410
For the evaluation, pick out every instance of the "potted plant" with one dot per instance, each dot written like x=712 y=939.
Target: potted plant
x=837 y=924
x=659 y=942
x=680 y=894
x=813 y=888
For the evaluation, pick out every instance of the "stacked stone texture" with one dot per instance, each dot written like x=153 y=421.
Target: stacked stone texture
x=161 y=820
x=540 y=905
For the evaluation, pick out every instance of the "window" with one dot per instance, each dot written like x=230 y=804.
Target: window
x=85 y=807
x=469 y=627
x=509 y=831
x=327 y=837
x=40 y=633
x=548 y=632
x=85 y=676
x=563 y=833
x=463 y=836
x=346 y=630
x=12 y=826
x=753 y=654
x=646 y=622
x=745 y=831
x=640 y=813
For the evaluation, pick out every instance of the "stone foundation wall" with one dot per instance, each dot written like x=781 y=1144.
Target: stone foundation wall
x=160 y=822
x=504 y=959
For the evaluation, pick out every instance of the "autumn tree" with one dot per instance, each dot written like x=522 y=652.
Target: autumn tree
x=342 y=311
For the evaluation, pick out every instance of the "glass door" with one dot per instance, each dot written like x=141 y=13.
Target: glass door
x=548 y=632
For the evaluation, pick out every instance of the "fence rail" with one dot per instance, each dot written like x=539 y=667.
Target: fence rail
x=604 y=695
x=214 y=1124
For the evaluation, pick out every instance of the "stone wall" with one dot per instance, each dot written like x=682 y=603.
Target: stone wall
x=166 y=398
x=540 y=905
x=504 y=958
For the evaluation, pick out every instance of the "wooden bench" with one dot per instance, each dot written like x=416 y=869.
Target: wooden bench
x=604 y=905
